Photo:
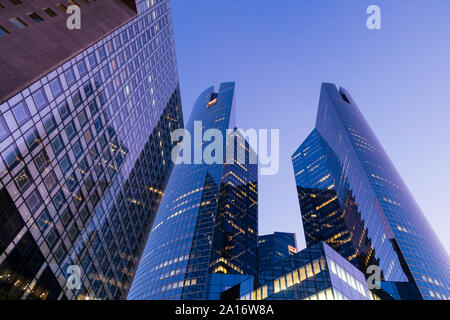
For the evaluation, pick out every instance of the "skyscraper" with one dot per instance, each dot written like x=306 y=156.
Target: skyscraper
x=275 y=247
x=352 y=197
x=207 y=221
x=85 y=122
x=315 y=273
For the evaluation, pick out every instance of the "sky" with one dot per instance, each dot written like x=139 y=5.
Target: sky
x=279 y=53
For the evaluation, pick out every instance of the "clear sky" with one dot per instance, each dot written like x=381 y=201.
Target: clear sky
x=279 y=53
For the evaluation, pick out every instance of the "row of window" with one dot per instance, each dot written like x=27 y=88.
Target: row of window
x=21 y=24
x=288 y=280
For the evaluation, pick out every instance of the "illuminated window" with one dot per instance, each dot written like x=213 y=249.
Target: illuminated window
x=282 y=283
x=302 y=273
x=295 y=276
x=289 y=281
x=309 y=271
x=316 y=266
x=264 y=292
x=276 y=286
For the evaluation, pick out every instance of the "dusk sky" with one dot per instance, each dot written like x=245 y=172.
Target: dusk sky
x=279 y=53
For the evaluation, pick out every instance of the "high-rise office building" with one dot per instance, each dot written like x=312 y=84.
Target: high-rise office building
x=205 y=232
x=85 y=122
x=275 y=247
x=353 y=198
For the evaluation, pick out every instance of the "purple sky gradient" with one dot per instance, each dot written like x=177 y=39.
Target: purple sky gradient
x=279 y=53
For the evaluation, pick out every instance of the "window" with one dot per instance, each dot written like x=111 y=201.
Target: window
x=34 y=201
x=64 y=110
x=21 y=113
x=23 y=179
x=34 y=16
x=32 y=139
x=60 y=253
x=72 y=182
x=302 y=274
x=49 y=123
x=18 y=23
x=84 y=167
x=42 y=161
x=309 y=271
x=52 y=237
x=82 y=118
x=57 y=144
x=98 y=125
x=56 y=87
x=92 y=60
x=88 y=89
x=93 y=107
x=88 y=136
x=3 y=31
x=4 y=130
x=50 y=12
x=77 y=149
x=59 y=199
x=316 y=266
x=70 y=76
x=71 y=130
x=12 y=157
x=44 y=220
x=65 y=164
x=102 y=53
x=66 y=217
x=93 y=152
x=97 y=80
x=40 y=99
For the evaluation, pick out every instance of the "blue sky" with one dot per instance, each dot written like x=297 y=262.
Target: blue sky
x=279 y=52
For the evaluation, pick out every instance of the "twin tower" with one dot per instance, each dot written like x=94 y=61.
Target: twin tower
x=357 y=213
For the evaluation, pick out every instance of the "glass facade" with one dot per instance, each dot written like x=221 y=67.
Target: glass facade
x=352 y=197
x=85 y=157
x=315 y=273
x=207 y=222
x=275 y=247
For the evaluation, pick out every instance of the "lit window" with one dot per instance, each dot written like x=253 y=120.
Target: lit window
x=302 y=273
x=276 y=286
x=316 y=266
x=4 y=130
x=264 y=292
x=289 y=281
x=309 y=271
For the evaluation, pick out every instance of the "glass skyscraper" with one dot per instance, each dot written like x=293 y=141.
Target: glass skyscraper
x=206 y=227
x=352 y=197
x=275 y=247
x=85 y=122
